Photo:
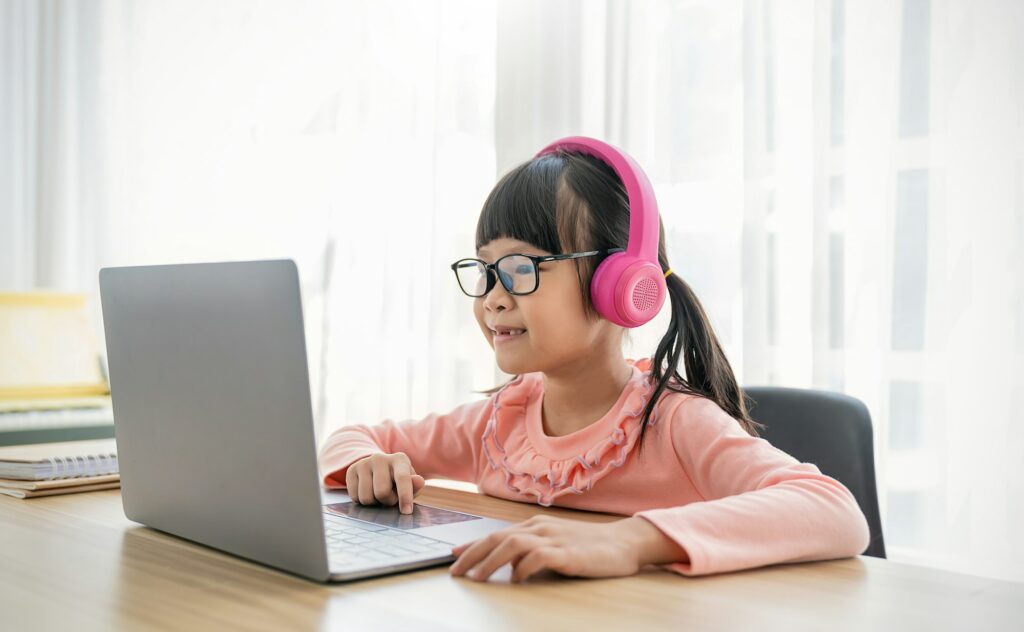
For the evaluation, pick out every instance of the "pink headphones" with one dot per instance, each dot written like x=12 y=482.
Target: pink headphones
x=628 y=287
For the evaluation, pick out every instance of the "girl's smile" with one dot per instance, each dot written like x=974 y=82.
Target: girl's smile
x=503 y=334
x=508 y=336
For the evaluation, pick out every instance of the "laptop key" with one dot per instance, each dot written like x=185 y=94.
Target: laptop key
x=376 y=556
x=404 y=549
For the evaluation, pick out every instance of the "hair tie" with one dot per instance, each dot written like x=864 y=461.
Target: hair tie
x=668 y=272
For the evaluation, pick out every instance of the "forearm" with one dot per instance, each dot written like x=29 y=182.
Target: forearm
x=793 y=521
x=651 y=545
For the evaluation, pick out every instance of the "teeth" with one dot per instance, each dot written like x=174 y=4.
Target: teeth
x=512 y=332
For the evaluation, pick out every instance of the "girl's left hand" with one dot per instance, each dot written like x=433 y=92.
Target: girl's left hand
x=569 y=547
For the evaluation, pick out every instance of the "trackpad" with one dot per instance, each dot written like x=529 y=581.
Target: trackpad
x=421 y=516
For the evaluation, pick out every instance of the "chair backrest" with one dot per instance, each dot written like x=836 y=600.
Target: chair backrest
x=830 y=430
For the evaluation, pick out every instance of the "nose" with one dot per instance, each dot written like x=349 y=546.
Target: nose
x=498 y=298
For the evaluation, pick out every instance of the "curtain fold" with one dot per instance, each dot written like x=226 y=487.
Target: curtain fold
x=53 y=167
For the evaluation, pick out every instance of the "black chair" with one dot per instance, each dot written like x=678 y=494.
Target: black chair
x=830 y=430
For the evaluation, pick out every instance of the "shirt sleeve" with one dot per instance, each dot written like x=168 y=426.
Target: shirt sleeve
x=761 y=506
x=438 y=446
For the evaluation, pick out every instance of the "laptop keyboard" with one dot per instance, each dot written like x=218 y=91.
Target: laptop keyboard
x=352 y=543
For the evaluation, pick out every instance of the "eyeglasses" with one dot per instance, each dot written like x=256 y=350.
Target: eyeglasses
x=519 y=274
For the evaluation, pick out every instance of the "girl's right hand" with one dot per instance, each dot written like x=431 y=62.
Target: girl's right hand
x=384 y=478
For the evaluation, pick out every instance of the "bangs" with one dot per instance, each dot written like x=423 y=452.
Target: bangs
x=533 y=204
x=522 y=206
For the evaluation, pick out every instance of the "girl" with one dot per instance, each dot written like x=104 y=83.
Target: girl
x=580 y=426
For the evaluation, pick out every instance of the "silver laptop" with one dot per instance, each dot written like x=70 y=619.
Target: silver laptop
x=215 y=434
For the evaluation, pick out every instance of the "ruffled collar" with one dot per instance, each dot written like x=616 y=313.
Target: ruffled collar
x=544 y=467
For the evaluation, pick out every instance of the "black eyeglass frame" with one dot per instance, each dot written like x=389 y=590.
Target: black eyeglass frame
x=493 y=276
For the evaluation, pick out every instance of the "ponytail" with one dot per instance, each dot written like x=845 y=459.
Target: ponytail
x=690 y=338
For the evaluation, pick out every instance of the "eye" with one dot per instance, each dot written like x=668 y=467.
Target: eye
x=524 y=268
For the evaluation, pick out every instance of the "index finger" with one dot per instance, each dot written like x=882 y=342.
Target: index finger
x=402 y=474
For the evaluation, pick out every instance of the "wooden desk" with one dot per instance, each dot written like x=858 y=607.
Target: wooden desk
x=75 y=562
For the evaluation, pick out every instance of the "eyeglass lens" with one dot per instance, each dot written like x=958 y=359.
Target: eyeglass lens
x=516 y=272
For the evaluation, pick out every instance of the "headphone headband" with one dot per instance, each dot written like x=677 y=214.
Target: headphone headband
x=628 y=288
x=643 y=207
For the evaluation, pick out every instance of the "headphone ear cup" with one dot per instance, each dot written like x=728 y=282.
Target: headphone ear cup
x=602 y=287
x=640 y=293
x=627 y=290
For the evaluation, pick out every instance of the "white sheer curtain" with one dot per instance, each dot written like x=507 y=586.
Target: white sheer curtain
x=50 y=179
x=356 y=138
x=842 y=184
x=840 y=181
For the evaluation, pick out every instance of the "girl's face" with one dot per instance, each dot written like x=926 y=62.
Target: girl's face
x=558 y=333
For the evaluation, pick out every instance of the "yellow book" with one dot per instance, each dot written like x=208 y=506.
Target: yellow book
x=53 y=403
x=50 y=349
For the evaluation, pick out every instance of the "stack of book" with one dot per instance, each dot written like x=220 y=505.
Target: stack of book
x=52 y=388
x=51 y=375
x=48 y=469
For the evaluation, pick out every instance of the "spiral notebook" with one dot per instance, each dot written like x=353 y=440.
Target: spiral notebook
x=58 y=468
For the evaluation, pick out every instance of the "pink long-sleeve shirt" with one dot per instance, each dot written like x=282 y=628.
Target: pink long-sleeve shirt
x=730 y=500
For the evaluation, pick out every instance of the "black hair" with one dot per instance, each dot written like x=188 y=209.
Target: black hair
x=572 y=202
